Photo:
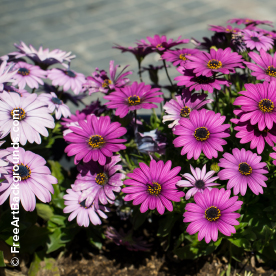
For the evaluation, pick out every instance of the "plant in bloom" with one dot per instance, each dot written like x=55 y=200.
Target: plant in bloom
x=6 y=74
x=96 y=139
x=248 y=21
x=133 y=97
x=222 y=29
x=84 y=214
x=33 y=115
x=243 y=168
x=217 y=61
x=212 y=211
x=153 y=186
x=203 y=131
x=258 y=103
x=36 y=179
x=198 y=181
x=256 y=40
x=273 y=155
x=182 y=106
x=72 y=121
x=12 y=89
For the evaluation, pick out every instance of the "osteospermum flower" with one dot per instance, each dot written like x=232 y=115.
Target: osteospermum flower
x=95 y=139
x=67 y=78
x=12 y=89
x=28 y=74
x=256 y=40
x=212 y=211
x=98 y=183
x=36 y=179
x=243 y=168
x=248 y=21
x=6 y=74
x=265 y=69
x=222 y=29
x=203 y=131
x=84 y=214
x=182 y=106
x=72 y=121
x=198 y=182
x=273 y=155
x=197 y=83
x=258 y=103
x=153 y=186
x=179 y=57
x=55 y=104
x=134 y=97
x=32 y=115
x=217 y=61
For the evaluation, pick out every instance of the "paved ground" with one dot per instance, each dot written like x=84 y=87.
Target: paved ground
x=89 y=28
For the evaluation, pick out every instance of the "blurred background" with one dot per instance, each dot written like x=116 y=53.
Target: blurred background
x=89 y=28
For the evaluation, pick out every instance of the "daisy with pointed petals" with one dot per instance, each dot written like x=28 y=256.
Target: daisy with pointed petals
x=98 y=183
x=258 y=103
x=12 y=89
x=140 y=52
x=183 y=106
x=32 y=114
x=72 y=121
x=36 y=179
x=28 y=74
x=95 y=139
x=203 y=131
x=217 y=61
x=67 y=78
x=190 y=79
x=55 y=104
x=198 y=182
x=6 y=74
x=84 y=214
x=212 y=211
x=134 y=97
x=248 y=21
x=243 y=168
x=256 y=40
x=222 y=29
x=265 y=69
x=153 y=186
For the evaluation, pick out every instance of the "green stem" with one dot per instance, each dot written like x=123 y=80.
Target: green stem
x=164 y=62
x=33 y=90
x=139 y=72
x=135 y=116
x=217 y=105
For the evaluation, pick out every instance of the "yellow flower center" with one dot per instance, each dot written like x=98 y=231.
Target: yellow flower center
x=106 y=83
x=266 y=105
x=96 y=141
x=214 y=64
x=271 y=71
x=134 y=100
x=18 y=114
x=154 y=188
x=101 y=178
x=185 y=111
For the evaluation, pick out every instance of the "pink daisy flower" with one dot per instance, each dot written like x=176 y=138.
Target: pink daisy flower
x=254 y=40
x=20 y=92
x=248 y=21
x=273 y=155
x=222 y=29
x=6 y=74
x=212 y=211
x=72 y=121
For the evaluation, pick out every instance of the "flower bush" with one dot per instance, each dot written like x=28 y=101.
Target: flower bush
x=217 y=128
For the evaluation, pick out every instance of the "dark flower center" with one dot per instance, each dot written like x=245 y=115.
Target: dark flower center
x=212 y=213
x=255 y=39
x=182 y=56
x=70 y=74
x=134 y=100
x=96 y=141
x=159 y=46
x=106 y=83
x=18 y=114
x=271 y=71
x=23 y=71
x=56 y=100
x=214 y=64
x=154 y=188
x=24 y=171
x=202 y=79
x=199 y=184
x=245 y=169
x=185 y=111
x=82 y=204
x=266 y=105
x=101 y=178
x=201 y=134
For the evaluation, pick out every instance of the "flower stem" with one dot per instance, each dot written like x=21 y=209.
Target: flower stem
x=139 y=72
x=164 y=62
x=33 y=90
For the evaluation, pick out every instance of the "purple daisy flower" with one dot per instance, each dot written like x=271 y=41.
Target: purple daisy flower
x=20 y=92
x=182 y=106
x=36 y=179
x=32 y=114
x=28 y=74
x=243 y=168
x=179 y=56
x=67 y=78
x=190 y=79
x=258 y=104
x=133 y=97
x=212 y=211
x=55 y=104
x=140 y=52
x=84 y=214
x=255 y=40
x=100 y=82
x=199 y=181
x=265 y=69
x=203 y=131
x=248 y=21
x=160 y=43
x=238 y=41
x=153 y=186
x=98 y=183
x=249 y=133
x=222 y=29
x=6 y=74
x=72 y=121
x=217 y=61
x=95 y=108
x=95 y=139
x=273 y=155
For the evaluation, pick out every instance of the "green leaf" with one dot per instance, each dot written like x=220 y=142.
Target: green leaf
x=35 y=265
x=56 y=171
x=2 y=262
x=138 y=218
x=187 y=252
x=166 y=224
x=58 y=220
x=44 y=211
x=55 y=241
x=241 y=242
